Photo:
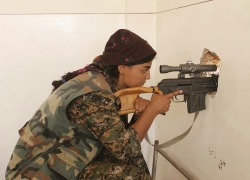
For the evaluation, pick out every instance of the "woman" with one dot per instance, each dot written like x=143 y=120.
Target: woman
x=77 y=132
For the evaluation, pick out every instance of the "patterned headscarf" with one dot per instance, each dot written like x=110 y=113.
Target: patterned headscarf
x=127 y=48
x=123 y=48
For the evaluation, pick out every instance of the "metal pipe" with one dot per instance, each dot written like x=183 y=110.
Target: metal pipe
x=155 y=155
x=174 y=163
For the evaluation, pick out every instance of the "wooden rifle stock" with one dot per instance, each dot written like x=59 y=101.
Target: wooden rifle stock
x=127 y=97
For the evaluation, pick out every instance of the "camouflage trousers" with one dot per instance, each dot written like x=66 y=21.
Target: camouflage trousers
x=113 y=171
x=106 y=167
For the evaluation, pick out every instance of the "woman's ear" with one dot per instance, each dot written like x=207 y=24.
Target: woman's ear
x=122 y=69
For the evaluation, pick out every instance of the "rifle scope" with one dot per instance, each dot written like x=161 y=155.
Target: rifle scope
x=188 y=68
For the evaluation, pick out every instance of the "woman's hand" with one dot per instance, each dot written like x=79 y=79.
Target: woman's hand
x=140 y=104
x=161 y=103
x=157 y=105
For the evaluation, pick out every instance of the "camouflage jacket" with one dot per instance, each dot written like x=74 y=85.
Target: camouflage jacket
x=52 y=147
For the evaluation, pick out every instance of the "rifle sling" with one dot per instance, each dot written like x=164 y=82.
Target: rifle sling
x=175 y=139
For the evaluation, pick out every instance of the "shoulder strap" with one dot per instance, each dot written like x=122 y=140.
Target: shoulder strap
x=175 y=139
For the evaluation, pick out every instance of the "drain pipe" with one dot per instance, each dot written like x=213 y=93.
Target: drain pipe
x=171 y=161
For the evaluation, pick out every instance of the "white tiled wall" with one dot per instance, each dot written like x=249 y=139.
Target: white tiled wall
x=62 y=6
x=221 y=132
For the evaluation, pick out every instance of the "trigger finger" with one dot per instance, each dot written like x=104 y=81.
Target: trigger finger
x=175 y=93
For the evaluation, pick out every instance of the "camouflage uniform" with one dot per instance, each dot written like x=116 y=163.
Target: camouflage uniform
x=121 y=156
x=77 y=134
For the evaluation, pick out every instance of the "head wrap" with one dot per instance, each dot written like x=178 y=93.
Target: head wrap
x=127 y=48
x=123 y=48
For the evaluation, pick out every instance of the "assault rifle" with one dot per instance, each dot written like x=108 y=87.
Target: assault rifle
x=194 y=88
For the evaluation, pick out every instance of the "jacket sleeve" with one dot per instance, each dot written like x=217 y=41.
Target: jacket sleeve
x=98 y=111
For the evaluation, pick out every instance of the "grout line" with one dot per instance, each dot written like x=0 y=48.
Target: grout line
x=184 y=6
x=126 y=13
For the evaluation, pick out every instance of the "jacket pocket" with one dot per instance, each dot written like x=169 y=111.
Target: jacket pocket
x=21 y=155
x=65 y=163
x=27 y=136
x=71 y=158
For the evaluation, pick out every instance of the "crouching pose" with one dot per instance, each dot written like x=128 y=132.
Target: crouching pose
x=77 y=132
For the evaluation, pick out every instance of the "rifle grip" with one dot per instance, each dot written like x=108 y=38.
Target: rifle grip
x=127 y=97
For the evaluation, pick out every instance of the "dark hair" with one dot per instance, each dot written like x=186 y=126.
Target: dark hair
x=112 y=71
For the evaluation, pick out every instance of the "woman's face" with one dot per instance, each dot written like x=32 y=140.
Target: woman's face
x=133 y=76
